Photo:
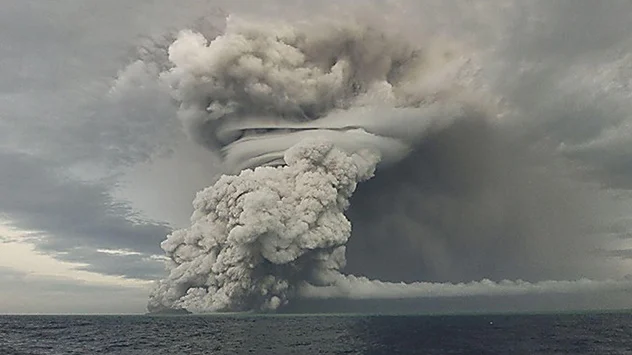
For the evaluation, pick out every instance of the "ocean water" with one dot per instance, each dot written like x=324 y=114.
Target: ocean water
x=609 y=333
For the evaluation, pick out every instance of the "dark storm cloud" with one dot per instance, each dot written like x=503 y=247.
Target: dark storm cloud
x=563 y=64
x=64 y=137
x=74 y=218
x=134 y=265
x=58 y=61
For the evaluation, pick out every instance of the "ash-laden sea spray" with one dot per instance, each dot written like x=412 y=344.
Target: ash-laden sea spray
x=300 y=114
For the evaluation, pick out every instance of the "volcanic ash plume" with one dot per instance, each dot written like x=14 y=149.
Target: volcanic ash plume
x=253 y=236
x=257 y=90
x=313 y=111
x=301 y=115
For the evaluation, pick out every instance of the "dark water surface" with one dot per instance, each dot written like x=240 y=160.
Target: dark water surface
x=609 y=333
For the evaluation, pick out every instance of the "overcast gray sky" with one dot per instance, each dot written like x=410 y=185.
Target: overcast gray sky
x=91 y=179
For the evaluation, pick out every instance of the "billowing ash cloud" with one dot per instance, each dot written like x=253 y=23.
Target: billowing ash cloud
x=255 y=235
x=289 y=82
x=301 y=114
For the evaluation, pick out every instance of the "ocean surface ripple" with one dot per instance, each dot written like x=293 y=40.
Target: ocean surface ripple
x=588 y=333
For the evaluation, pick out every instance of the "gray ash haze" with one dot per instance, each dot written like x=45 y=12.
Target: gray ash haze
x=343 y=152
